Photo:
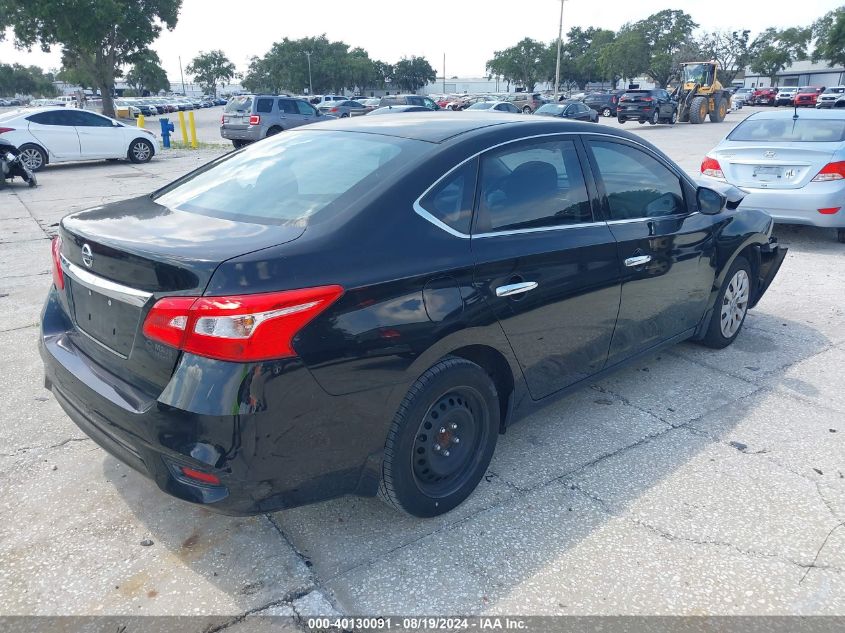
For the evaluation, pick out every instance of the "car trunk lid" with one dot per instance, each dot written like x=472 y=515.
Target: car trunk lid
x=774 y=165
x=120 y=258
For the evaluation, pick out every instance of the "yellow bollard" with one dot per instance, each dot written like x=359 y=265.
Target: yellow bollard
x=140 y=121
x=194 y=143
x=183 y=128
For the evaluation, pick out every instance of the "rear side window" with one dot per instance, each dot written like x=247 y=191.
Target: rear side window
x=804 y=130
x=287 y=106
x=636 y=185
x=263 y=105
x=450 y=201
x=532 y=185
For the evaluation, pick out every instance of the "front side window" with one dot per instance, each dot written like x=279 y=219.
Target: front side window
x=450 y=201
x=284 y=180
x=89 y=119
x=305 y=109
x=531 y=185
x=636 y=185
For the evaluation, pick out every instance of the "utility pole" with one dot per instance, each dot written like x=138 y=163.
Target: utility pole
x=559 y=41
x=310 y=87
x=182 y=76
x=444 y=73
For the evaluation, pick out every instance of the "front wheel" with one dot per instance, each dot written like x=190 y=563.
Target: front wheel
x=621 y=120
x=606 y=112
x=441 y=439
x=526 y=110
x=655 y=118
x=731 y=306
x=140 y=151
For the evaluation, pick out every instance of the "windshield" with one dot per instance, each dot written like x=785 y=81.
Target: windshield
x=802 y=130
x=284 y=180
x=837 y=90
x=698 y=73
x=482 y=105
x=238 y=104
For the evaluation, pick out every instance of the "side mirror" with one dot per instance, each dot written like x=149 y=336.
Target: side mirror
x=710 y=201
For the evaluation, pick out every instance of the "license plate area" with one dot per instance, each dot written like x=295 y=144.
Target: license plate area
x=767 y=172
x=108 y=321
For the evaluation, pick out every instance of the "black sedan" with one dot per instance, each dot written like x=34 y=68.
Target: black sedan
x=266 y=332
x=569 y=109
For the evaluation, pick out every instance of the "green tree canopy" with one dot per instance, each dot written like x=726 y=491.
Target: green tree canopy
x=829 y=32
x=210 y=69
x=730 y=49
x=522 y=63
x=665 y=33
x=774 y=50
x=16 y=79
x=101 y=35
x=147 y=75
x=625 y=57
x=412 y=74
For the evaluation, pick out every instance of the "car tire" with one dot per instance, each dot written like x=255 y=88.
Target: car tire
x=840 y=235
x=655 y=118
x=731 y=306
x=526 y=110
x=606 y=112
x=674 y=118
x=140 y=151
x=620 y=120
x=33 y=156
x=344 y=116
x=419 y=478
x=698 y=110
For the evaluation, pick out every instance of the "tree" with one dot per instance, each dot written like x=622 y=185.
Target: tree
x=102 y=35
x=774 y=50
x=16 y=79
x=665 y=33
x=147 y=75
x=730 y=49
x=414 y=73
x=210 y=69
x=625 y=57
x=522 y=63
x=829 y=32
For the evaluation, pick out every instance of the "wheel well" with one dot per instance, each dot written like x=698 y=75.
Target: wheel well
x=496 y=365
x=43 y=151
x=752 y=254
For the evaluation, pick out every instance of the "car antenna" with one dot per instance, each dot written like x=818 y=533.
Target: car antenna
x=795 y=116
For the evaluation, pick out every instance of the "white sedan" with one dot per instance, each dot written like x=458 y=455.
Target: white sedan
x=58 y=134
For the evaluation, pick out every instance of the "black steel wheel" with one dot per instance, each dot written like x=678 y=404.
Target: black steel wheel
x=441 y=439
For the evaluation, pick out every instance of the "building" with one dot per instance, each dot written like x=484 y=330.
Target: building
x=804 y=73
x=468 y=85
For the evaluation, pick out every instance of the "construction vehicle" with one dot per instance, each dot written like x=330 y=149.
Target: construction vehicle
x=701 y=94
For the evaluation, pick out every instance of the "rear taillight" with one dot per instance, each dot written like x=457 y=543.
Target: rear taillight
x=649 y=99
x=831 y=171
x=238 y=328
x=334 y=109
x=222 y=120
x=3 y=130
x=711 y=167
x=56 y=252
x=255 y=119
x=198 y=475
x=613 y=99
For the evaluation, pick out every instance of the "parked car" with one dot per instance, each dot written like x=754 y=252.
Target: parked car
x=344 y=109
x=250 y=118
x=786 y=96
x=279 y=361
x=829 y=96
x=415 y=100
x=741 y=96
x=764 y=97
x=4 y=103
x=58 y=134
x=840 y=102
x=495 y=106
x=793 y=168
x=528 y=102
x=569 y=110
x=399 y=109
x=371 y=104
x=604 y=103
x=655 y=106
x=465 y=101
x=807 y=96
x=318 y=101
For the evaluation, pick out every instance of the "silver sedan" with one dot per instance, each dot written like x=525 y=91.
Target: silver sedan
x=790 y=165
x=344 y=109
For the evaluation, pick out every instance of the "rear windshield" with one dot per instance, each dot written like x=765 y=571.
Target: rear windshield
x=239 y=104
x=802 y=130
x=285 y=180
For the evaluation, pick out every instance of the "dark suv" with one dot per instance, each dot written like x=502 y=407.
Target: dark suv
x=604 y=103
x=654 y=106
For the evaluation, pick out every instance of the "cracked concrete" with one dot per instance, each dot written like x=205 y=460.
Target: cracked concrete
x=693 y=482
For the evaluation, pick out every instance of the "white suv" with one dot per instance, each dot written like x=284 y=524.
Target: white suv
x=829 y=96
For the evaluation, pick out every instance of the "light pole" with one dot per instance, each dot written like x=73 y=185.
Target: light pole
x=310 y=87
x=559 y=39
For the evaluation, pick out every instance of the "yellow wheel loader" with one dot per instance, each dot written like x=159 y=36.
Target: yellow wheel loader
x=701 y=94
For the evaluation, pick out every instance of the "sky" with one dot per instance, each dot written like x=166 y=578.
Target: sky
x=466 y=31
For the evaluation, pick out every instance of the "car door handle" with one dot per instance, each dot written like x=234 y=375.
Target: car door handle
x=639 y=260
x=516 y=289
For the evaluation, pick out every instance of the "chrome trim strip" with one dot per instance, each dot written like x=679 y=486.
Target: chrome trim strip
x=108 y=288
x=676 y=216
x=101 y=344
x=639 y=260
x=516 y=289
x=419 y=210
x=539 y=229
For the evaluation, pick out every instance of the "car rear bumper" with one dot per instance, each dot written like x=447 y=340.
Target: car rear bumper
x=242 y=132
x=825 y=104
x=800 y=206
x=268 y=431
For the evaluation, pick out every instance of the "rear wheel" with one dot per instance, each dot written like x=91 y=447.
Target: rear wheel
x=698 y=110
x=731 y=306
x=274 y=130
x=655 y=118
x=605 y=112
x=621 y=120
x=33 y=157
x=526 y=110
x=718 y=115
x=674 y=118
x=441 y=439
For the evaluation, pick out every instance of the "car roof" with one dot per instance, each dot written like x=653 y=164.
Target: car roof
x=804 y=114
x=438 y=127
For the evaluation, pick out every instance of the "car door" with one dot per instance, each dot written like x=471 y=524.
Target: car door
x=545 y=265
x=306 y=113
x=582 y=112
x=56 y=132
x=99 y=137
x=664 y=245
x=289 y=115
